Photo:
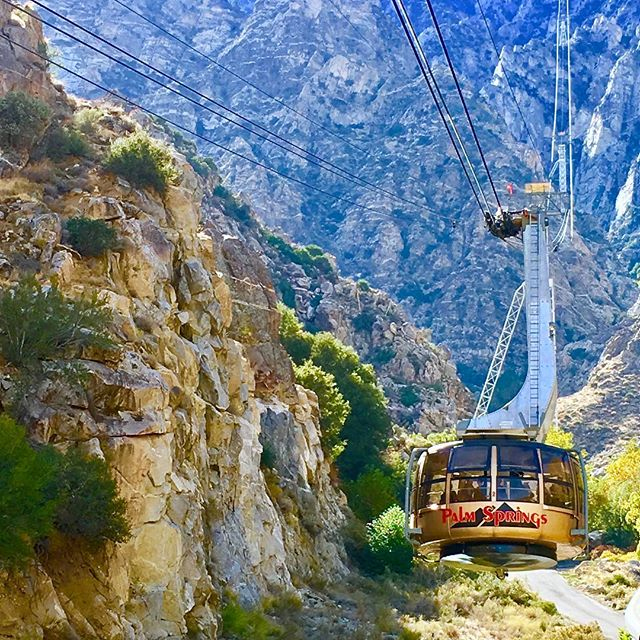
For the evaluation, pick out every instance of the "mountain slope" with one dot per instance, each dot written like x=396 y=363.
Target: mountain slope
x=604 y=413
x=356 y=76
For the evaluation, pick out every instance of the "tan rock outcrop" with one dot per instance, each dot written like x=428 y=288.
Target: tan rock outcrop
x=181 y=412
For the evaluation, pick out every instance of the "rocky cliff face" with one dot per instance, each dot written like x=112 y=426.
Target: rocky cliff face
x=353 y=73
x=418 y=377
x=197 y=390
x=181 y=414
x=182 y=418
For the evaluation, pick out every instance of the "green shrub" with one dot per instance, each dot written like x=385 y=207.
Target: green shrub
x=334 y=409
x=280 y=244
x=65 y=141
x=383 y=356
x=38 y=325
x=87 y=502
x=365 y=320
x=86 y=121
x=26 y=514
x=247 y=624
x=91 y=237
x=389 y=548
x=409 y=396
x=311 y=258
x=578 y=632
x=363 y=285
x=41 y=489
x=142 y=161
x=549 y=607
x=618 y=578
x=233 y=206
x=203 y=166
x=23 y=119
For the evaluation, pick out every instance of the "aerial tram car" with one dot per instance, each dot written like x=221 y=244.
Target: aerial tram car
x=499 y=499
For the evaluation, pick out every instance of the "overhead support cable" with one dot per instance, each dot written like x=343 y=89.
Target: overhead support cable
x=236 y=75
x=454 y=75
x=304 y=154
x=178 y=126
x=570 y=116
x=443 y=111
x=441 y=105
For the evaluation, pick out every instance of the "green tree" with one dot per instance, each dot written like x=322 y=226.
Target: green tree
x=294 y=338
x=91 y=237
x=26 y=513
x=614 y=499
x=87 y=502
x=334 y=409
x=372 y=492
x=143 y=161
x=23 y=119
x=368 y=426
x=607 y=514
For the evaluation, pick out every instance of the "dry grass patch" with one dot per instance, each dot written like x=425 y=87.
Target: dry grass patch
x=612 y=580
x=20 y=187
x=430 y=604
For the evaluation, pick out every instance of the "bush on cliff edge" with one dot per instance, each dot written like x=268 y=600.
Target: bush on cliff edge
x=42 y=490
x=142 y=161
x=26 y=512
x=38 y=323
x=91 y=237
x=23 y=119
x=87 y=502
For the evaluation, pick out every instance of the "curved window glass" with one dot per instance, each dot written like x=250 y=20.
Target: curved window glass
x=558 y=480
x=518 y=469
x=470 y=470
x=579 y=480
x=470 y=457
x=434 y=478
